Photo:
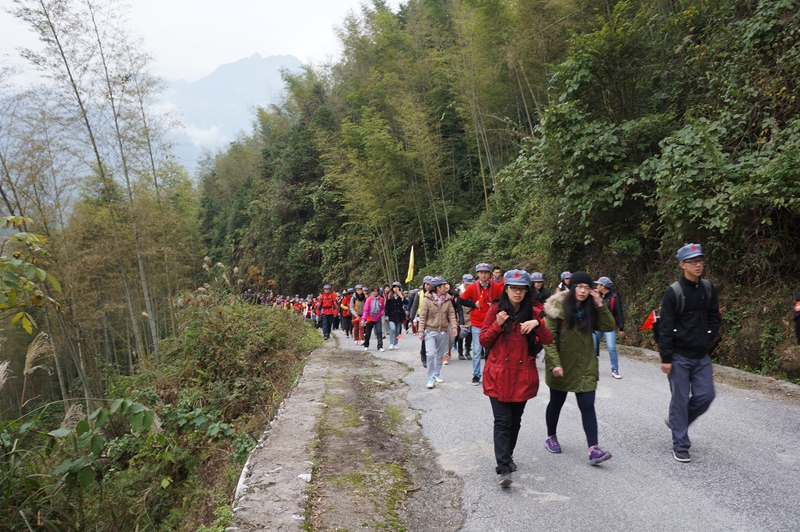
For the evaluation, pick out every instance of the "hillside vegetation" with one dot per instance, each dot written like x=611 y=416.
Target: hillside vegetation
x=553 y=135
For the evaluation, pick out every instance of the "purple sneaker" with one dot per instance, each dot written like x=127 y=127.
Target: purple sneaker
x=597 y=455
x=551 y=444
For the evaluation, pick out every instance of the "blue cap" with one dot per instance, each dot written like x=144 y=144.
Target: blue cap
x=468 y=278
x=483 y=267
x=690 y=251
x=427 y=279
x=350 y=290
x=397 y=283
x=605 y=281
x=565 y=275
x=358 y=286
x=437 y=281
x=326 y=287
x=537 y=277
x=517 y=278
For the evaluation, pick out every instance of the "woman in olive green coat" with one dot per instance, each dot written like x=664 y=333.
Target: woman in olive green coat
x=570 y=361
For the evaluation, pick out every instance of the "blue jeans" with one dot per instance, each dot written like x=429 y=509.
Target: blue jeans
x=476 y=351
x=327 y=321
x=611 y=344
x=394 y=329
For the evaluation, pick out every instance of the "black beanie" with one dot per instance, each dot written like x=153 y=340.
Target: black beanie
x=581 y=278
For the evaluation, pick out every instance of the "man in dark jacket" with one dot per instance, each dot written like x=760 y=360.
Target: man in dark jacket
x=688 y=324
x=614 y=304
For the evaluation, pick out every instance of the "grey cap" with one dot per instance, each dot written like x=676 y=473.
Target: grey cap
x=690 y=251
x=537 y=277
x=483 y=267
x=427 y=279
x=565 y=275
x=468 y=278
x=326 y=287
x=350 y=290
x=437 y=281
x=517 y=278
x=605 y=281
x=397 y=283
x=359 y=286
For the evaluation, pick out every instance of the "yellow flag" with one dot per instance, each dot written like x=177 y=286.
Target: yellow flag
x=410 y=266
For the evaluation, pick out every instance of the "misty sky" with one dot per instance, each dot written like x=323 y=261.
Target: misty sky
x=190 y=38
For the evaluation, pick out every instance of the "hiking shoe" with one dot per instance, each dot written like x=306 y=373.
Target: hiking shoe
x=438 y=379
x=461 y=356
x=597 y=455
x=513 y=466
x=551 y=444
x=476 y=381
x=682 y=456
x=446 y=361
x=431 y=383
x=327 y=337
x=505 y=479
x=616 y=375
x=380 y=349
x=468 y=356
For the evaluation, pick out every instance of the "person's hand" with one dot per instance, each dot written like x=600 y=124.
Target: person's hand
x=621 y=334
x=558 y=371
x=598 y=299
x=502 y=316
x=528 y=326
x=422 y=336
x=666 y=368
x=478 y=304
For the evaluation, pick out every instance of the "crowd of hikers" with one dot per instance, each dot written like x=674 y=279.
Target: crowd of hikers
x=509 y=319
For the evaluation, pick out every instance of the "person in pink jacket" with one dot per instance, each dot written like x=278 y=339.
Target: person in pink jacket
x=372 y=317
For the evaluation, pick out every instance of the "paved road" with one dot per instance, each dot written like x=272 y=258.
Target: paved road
x=744 y=475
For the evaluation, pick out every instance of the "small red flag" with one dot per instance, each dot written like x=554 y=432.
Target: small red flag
x=648 y=323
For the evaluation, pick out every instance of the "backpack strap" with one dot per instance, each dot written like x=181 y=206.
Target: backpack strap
x=680 y=299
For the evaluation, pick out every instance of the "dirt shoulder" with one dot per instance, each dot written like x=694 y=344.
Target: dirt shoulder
x=346 y=453
x=746 y=382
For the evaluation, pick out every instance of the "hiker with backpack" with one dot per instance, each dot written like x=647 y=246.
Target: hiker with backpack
x=327 y=308
x=614 y=304
x=687 y=327
x=570 y=362
x=514 y=330
x=797 y=316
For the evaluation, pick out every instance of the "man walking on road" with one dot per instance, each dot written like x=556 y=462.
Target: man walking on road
x=688 y=325
x=326 y=308
x=614 y=303
x=479 y=296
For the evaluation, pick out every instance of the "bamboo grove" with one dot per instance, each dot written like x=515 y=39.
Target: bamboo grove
x=85 y=162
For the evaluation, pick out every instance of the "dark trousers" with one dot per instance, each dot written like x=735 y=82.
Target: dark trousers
x=691 y=382
x=586 y=406
x=507 y=420
x=422 y=354
x=378 y=326
x=465 y=342
x=347 y=324
x=327 y=321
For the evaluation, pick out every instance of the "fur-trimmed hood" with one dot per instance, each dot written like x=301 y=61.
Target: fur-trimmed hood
x=551 y=308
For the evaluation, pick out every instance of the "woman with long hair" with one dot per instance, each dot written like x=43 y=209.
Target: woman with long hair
x=570 y=362
x=514 y=328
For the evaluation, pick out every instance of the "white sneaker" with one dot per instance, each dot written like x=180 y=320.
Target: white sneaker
x=616 y=375
x=438 y=379
x=431 y=383
x=381 y=350
x=366 y=349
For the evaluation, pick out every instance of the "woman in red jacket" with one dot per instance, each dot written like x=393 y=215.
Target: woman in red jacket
x=511 y=329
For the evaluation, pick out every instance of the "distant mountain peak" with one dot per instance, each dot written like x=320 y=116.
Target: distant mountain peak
x=216 y=107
